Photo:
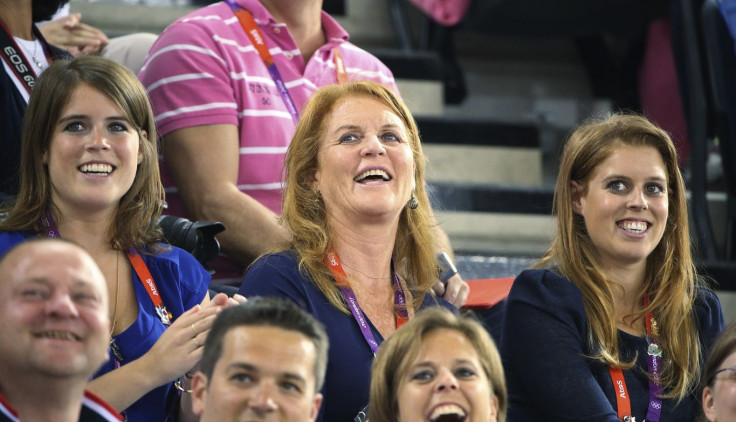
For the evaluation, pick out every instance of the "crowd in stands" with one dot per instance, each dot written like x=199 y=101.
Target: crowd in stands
x=262 y=115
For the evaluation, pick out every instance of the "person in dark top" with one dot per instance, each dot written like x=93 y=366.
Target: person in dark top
x=361 y=259
x=614 y=322
x=25 y=54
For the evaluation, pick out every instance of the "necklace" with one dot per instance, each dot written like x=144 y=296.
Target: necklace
x=117 y=293
x=33 y=54
x=366 y=275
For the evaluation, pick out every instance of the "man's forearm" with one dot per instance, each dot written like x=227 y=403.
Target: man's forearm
x=250 y=228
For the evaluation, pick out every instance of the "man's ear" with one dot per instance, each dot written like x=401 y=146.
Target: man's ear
x=576 y=194
x=709 y=408
x=199 y=393
x=315 y=407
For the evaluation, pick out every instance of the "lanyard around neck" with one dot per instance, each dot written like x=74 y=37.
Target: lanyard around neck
x=254 y=33
x=654 y=367
x=333 y=263
x=139 y=265
x=16 y=60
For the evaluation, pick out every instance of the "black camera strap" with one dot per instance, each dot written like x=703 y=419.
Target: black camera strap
x=16 y=60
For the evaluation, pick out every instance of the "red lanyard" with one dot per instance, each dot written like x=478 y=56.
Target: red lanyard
x=251 y=29
x=654 y=365
x=141 y=269
x=333 y=263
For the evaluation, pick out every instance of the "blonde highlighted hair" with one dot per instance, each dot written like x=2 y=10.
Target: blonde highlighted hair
x=304 y=210
x=670 y=278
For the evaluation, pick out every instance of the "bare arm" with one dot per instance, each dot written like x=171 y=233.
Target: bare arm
x=204 y=162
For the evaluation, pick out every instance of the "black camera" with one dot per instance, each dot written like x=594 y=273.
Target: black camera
x=197 y=238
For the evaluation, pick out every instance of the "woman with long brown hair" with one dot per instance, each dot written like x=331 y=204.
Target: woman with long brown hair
x=614 y=323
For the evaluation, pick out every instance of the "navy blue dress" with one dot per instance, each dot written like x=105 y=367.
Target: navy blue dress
x=544 y=344
x=348 y=377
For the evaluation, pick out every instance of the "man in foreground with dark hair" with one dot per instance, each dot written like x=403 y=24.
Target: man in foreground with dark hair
x=264 y=359
x=55 y=331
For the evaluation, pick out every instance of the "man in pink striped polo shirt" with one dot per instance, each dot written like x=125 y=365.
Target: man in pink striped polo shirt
x=226 y=125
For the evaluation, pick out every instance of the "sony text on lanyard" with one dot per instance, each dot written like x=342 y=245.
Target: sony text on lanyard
x=654 y=367
x=333 y=263
x=251 y=29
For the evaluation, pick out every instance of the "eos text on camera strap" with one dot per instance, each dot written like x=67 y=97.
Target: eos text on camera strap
x=255 y=35
x=16 y=60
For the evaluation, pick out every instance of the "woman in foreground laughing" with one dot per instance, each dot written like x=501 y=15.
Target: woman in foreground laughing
x=440 y=367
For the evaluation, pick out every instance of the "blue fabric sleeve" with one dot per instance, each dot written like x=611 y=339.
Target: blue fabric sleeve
x=543 y=348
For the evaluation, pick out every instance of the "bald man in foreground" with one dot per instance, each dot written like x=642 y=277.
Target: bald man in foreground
x=55 y=331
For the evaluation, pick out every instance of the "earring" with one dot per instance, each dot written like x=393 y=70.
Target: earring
x=317 y=196
x=413 y=203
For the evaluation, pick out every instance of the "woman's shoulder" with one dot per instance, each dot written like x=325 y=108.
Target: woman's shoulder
x=708 y=312
x=543 y=284
x=10 y=239
x=178 y=264
x=275 y=273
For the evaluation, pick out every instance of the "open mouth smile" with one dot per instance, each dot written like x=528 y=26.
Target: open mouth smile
x=96 y=169
x=374 y=175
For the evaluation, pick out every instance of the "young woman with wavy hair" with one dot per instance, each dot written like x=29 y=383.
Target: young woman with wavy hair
x=614 y=322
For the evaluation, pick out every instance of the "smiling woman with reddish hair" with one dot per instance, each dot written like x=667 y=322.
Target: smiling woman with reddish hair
x=615 y=322
x=361 y=258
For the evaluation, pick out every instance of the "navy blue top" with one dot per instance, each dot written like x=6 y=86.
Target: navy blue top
x=544 y=344
x=182 y=283
x=348 y=377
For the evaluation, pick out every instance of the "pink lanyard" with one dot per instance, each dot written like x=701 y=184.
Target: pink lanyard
x=333 y=263
x=654 y=367
x=251 y=29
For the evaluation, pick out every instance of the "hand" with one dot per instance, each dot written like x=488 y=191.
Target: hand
x=222 y=300
x=180 y=347
x=456 y=291
x=74 y=36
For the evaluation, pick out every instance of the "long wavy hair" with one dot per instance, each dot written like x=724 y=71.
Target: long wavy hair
x=135 y=222
x=670 y=278
x=304 y=210
x=398 y=352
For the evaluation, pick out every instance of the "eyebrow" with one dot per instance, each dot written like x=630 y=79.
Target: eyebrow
x=86 y=117
x=253 y=368
x=356 y=127
x=621 y=176
x=454 y=362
